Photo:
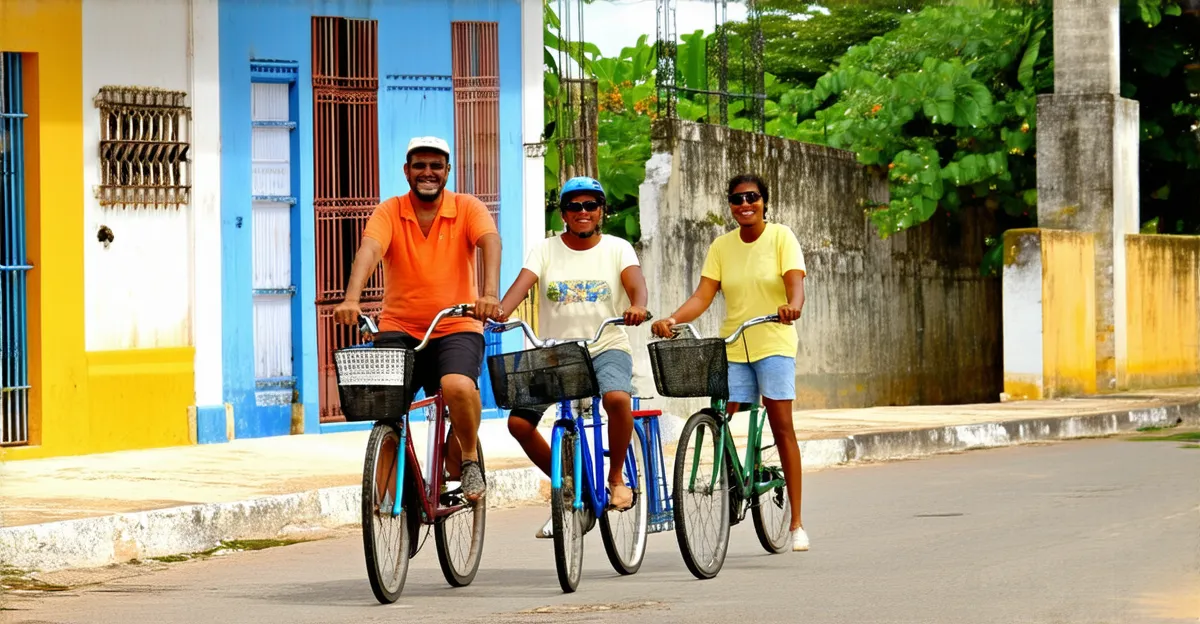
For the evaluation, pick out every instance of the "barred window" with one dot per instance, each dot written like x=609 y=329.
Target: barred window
x=144 y=144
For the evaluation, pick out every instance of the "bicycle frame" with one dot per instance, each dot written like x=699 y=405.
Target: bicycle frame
x=429 y=488
x=598 y=497
x=726 y=448
x=429 y=493
x=660 y=513
x=743 y=474
x=585 y=479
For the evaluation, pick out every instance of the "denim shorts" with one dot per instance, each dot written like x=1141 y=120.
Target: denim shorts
x=772 y=377
x=614 y=373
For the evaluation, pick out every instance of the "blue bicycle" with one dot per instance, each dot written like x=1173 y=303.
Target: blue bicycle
x=561 y=371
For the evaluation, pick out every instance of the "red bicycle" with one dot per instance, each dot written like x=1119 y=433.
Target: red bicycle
x=399 y=497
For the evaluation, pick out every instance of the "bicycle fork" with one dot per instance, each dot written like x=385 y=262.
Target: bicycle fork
x=401 y=450
x=556 y=467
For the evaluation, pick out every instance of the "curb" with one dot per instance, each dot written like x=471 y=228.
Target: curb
x=101 y=541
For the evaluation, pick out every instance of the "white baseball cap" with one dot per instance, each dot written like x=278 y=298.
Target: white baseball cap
x=428 y=142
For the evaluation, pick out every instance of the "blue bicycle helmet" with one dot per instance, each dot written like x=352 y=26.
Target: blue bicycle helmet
x=581 y=184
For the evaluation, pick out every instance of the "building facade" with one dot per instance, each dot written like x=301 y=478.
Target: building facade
x=190 y=217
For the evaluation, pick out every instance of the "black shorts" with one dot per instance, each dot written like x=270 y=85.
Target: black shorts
x=459 y=353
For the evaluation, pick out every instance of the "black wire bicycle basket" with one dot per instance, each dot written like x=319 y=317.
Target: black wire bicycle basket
x=374 y=383
x=690 y=367
x=539 y=377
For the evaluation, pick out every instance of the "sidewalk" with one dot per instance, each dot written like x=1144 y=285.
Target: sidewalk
x=99 y=509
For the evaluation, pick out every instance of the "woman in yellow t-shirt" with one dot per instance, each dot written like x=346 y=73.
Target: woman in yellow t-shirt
x=760 y=267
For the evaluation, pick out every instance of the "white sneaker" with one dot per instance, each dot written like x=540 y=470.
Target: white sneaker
x=547 y=530
x=799 y=540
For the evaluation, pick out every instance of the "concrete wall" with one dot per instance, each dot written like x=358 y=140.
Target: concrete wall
x=1049 y=313
x=138 y=288
x=1164 y=311
x=906 y=320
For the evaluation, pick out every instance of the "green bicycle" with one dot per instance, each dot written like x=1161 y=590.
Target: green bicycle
x=712 y=488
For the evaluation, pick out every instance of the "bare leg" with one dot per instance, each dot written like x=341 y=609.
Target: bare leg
x=465 y=409
x=619 y=406
x=534 y=445
x=779 y=413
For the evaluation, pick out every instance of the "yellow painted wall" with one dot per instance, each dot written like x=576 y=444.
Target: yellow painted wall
x=1163 y=285
x=1068 y=313
x=80 y=402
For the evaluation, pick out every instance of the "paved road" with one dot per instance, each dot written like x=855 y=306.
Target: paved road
x=1091 y=531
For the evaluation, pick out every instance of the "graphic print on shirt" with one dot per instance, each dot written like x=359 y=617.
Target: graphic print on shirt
x=578 y=291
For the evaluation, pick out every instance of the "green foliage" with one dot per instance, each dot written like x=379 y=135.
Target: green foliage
x=940 y=99
x=1158 y=44
x=945 y=104
x=801 y=40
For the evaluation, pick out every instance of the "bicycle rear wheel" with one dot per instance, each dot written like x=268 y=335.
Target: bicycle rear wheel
x=569 y=524
x=772 y=509
x=459 y=536
x=624 y=532
x=386 y=539
x=701 y=497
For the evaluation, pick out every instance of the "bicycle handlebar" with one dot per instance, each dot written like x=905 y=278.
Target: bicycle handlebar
x=688 y=327
x=499 y=328
x=368 y=326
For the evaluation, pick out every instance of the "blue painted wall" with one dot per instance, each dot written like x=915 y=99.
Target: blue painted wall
x=414 y=99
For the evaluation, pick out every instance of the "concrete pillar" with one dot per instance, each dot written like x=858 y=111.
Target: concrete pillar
x=1087 y=163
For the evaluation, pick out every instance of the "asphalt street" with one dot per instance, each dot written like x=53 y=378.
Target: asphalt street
x=1086 y=531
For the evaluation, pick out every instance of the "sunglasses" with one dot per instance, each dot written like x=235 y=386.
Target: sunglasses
x=748 y=197
x=578 y=206
x=422 y=166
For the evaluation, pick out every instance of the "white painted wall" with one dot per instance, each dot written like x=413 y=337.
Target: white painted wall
x=1021 y=287
x=138 y=291
x=205 y=97
x=532 y=122
x=532 y=125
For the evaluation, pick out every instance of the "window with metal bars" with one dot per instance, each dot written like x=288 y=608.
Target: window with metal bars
x=144 y=143
x=14 y=264
x=476 y=75
x=346 y=177
x=345 y=147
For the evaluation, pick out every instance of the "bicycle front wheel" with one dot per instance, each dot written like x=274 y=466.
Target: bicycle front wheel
x=701 y=497
x=385 y=535
x=459 y=536
x=570 y=524
x=624 y=532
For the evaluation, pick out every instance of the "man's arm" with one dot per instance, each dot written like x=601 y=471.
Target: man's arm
x=488 y=305
x=365 y=261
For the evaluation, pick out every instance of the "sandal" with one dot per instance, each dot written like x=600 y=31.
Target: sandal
x=627 y=503
x=474 y=485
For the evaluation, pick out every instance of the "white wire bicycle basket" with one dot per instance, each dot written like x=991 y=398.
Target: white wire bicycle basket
x=374 y=383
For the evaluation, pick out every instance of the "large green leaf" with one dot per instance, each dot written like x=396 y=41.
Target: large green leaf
x=1025 y=69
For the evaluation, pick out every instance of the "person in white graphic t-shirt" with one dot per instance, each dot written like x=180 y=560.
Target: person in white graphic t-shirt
x=583 y=278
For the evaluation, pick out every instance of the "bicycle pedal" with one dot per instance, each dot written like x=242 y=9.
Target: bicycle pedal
x=451 y=497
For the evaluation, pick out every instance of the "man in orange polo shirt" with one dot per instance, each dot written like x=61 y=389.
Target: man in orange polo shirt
x=427 y=240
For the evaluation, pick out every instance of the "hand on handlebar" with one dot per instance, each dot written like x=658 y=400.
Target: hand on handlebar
x=487 y=307
x=662 y=328
x=788 y=314
x=347 y=312
x=636 y=315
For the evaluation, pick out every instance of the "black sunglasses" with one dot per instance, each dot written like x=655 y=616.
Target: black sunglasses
x=748 y=197
x=577 y=206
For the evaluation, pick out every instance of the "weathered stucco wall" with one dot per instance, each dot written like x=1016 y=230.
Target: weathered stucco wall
x=907 y=320
x=1164 y=311
x=1049 y=313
